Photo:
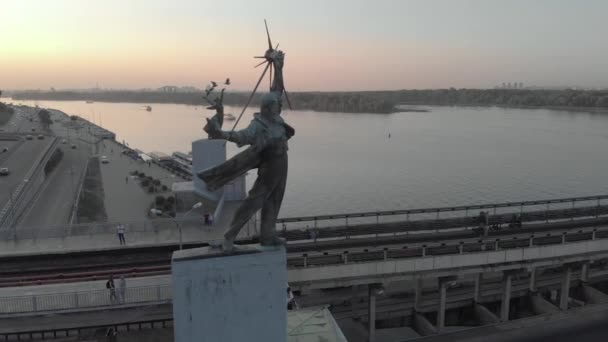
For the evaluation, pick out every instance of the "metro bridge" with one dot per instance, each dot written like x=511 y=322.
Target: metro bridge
x=369 y=250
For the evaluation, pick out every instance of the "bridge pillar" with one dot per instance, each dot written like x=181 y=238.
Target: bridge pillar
x=533 y=274
x=506 y=296
x=443 y=284
x=565 y=291
x=418 y=295
x=372 y=291
x=477 y=290
x=585 y=272
x=353 y=301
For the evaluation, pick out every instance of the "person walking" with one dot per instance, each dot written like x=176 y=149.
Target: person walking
x=120 y=230
x=110 y=286
x=127 y=180
x=122 y=289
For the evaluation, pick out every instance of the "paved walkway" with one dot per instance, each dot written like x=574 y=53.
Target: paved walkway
x=100 y=236
x=125 y=199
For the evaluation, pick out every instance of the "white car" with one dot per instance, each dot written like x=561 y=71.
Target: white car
x=104 y=160
x=4 y=171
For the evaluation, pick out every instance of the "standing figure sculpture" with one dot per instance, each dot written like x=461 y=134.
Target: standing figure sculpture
x=267 y=134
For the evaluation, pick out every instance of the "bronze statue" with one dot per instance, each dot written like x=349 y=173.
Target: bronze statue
x=267 y=134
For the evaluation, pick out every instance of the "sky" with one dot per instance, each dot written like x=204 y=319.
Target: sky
x=330 y=45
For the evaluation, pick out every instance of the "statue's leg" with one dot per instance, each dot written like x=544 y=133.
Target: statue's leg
x=272 y=205
x=251 y=204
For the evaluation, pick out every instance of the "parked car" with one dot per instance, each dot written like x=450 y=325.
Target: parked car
x=4 y=171
x=73 y=146
x=64 y=141
x=5 y=149
x=40 y=136
x=104 y=160
x=29 y=137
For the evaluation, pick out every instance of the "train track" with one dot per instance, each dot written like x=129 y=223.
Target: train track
x=155 y=260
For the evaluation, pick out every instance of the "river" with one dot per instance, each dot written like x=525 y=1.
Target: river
x=448 y=156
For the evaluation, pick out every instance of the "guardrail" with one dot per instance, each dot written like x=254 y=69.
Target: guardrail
x=465 y=210
x=61 y=231
x=110 y=330
x=85 y=299
x=306 y=260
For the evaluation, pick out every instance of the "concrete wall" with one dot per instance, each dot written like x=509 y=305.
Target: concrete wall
x=230 y=297
x=205 y=154
x=446 y=265
x=209 y=153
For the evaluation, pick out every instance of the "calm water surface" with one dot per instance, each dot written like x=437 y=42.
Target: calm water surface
x=449 y=156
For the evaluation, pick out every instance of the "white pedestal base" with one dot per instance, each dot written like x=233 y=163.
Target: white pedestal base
x=230 y=297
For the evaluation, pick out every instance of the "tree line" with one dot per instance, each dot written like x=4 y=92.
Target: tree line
x=359 y=102
x=329 y=102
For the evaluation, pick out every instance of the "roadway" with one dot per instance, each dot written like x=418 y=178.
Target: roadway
x=19 y=162
x=54 y=203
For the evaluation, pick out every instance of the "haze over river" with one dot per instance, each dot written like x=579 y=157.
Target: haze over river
x=347 y=163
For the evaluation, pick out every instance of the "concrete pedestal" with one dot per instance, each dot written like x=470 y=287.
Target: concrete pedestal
x=230 y=297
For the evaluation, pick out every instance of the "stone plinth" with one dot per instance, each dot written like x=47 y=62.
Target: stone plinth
x=230 y=297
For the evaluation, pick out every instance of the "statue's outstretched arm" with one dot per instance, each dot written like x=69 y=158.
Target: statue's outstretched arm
x=242 y=137
x=278 y=59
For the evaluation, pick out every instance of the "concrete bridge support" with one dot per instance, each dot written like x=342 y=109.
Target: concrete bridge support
x=422 y=325
x=506 y=296
x=533 y=275
x=372 y=291
x=418 y=295
x=541 y=306
x=565 y=289
x=484 y=316
x=477 y=288
x=593 y=295
x=443 y=284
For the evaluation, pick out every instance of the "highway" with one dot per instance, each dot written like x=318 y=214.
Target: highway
x=54 y=203
x=19 y=163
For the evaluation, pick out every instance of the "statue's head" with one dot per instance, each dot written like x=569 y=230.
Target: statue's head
x=271 y=104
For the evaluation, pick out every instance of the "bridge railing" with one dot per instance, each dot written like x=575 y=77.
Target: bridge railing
x=297 y=227
x=85 y=299
x=377 y=217
x=60 y=231
x=420 y=250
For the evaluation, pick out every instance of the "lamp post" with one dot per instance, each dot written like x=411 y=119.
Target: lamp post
x=179 y=226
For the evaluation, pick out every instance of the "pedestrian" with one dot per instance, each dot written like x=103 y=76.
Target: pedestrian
x=291 y=301
x=120 y=230
x=127 y=180
x=122 y=288
x=110 y=286
x=206 y=218
x=210 y=219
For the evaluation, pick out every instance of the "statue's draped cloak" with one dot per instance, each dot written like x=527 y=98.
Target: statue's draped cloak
x=259 y=134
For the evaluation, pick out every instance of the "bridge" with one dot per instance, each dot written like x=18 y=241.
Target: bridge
x=562 y=244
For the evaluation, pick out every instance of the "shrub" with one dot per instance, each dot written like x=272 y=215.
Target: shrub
x=164 y=188
x=172 y=214
x=134 y=173
x=156 y=182
x=142 y=175
x=160 y=200
x=151 y=189
x=145 y=183
x=167 y=207
x=171 y=199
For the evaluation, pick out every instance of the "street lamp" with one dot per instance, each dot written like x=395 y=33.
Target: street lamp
x=158 y=212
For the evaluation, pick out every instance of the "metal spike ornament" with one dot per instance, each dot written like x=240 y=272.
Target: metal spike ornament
x=269 y=65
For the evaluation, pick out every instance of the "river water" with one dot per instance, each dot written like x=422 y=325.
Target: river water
x=347 y=163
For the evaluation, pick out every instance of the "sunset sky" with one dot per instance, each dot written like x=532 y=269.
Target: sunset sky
x=330 y=45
